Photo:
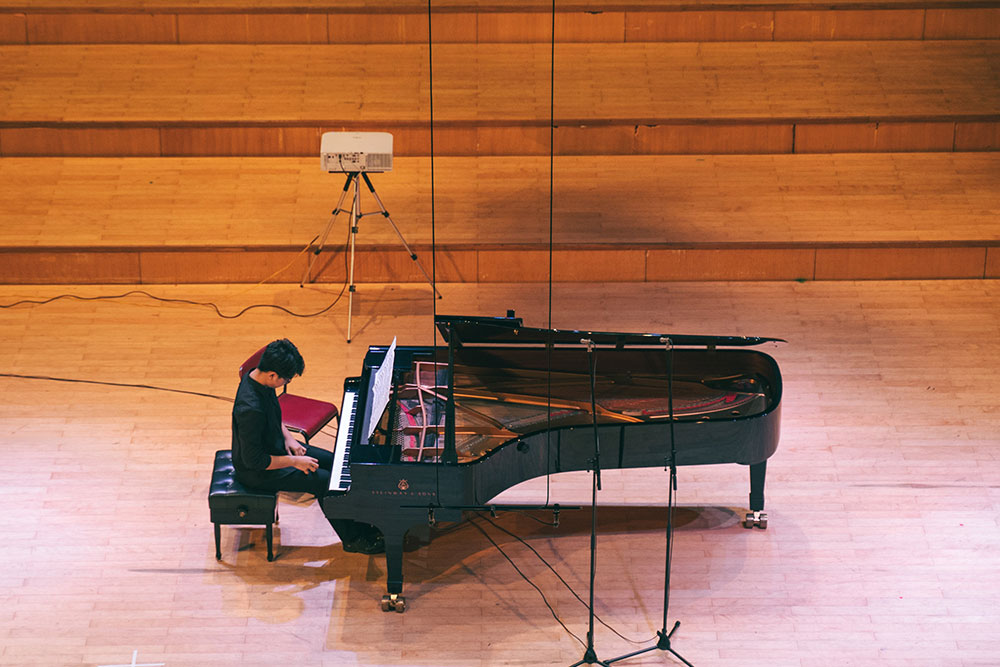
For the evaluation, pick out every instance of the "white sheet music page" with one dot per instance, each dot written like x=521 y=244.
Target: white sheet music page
x=380 y=388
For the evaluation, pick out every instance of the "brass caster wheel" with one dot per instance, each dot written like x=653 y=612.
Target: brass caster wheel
x=394 y=602
x=758 y=519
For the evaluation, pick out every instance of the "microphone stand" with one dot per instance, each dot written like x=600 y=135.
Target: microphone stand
x=663 y=643
x=590 y=655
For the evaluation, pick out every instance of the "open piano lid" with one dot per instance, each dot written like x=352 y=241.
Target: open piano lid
x=473 y=331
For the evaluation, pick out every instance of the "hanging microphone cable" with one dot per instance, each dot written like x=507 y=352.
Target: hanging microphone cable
x=552 y=152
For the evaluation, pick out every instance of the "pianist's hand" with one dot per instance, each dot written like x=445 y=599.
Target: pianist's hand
x=306 y=464
x=294 y=447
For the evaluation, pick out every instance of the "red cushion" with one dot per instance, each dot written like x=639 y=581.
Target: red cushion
x=306 y=415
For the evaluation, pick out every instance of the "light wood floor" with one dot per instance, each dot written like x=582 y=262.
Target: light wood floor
x=338 y=84
x=631 y=201
x=883 y=546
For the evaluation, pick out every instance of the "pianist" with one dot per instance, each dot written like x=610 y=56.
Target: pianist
x=267 y=456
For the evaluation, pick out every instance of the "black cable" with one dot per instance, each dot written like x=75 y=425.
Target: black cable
x=527 y=579
x=227 y=399
x=187 y=302
x=558 y=576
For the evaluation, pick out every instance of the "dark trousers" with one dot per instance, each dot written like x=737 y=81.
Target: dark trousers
x=316 y=483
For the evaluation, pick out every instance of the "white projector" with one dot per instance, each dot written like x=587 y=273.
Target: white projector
x=346 y=152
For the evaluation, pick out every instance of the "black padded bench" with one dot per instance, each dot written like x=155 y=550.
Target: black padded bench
x=233 y=503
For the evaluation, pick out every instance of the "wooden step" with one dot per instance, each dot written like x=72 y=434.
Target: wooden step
x=792 y=97
x=467 y=21
x=786 y=217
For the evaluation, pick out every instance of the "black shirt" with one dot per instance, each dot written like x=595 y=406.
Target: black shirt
x=257 y=433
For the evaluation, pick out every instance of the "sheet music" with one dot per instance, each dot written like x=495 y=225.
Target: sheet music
x=380 y=389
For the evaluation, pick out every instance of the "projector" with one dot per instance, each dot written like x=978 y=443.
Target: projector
x=347 y=152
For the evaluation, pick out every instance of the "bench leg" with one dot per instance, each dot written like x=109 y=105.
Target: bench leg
x=270 y=542
x=218 y=542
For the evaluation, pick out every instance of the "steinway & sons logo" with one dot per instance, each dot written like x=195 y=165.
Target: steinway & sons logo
x=402 y=489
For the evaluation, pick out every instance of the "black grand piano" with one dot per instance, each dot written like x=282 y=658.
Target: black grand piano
x=501 y=403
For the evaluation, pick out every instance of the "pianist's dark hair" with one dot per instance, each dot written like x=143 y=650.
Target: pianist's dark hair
x=282 y=357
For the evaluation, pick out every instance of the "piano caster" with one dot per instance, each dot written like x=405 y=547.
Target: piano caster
x=758 y=519
x=394 y=602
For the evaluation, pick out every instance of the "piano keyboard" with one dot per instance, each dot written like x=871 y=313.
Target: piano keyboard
x=340 y=475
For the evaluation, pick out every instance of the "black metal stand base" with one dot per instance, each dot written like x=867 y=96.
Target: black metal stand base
x=663 y=644
x=589 y=658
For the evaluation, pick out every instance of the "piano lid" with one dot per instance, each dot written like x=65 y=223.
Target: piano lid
x=472 y=331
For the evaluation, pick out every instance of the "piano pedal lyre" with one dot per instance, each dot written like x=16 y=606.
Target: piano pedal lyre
x=756 y=518
x=394 y=602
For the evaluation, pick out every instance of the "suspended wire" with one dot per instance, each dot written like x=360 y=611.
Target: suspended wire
x=430 y=93
x=552 y=152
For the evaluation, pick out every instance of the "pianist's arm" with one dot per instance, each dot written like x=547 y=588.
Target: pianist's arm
x=252 y=450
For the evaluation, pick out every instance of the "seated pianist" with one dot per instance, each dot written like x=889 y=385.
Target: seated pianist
x=267 y=456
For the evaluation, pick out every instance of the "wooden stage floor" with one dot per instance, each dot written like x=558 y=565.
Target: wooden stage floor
x=883 y=546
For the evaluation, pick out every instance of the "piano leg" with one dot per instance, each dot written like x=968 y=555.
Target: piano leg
x=757 y=517
x=394 y=601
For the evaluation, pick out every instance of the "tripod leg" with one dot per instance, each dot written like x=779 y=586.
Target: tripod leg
x=385 y=214
x=355 y=217
x=306 y=277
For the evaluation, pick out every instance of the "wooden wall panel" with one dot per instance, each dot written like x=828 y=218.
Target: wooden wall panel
x=393 y=264
x=252 y=28
x=529 y=140
x=599 y=265
x=218 y=266
x=287 y=28
x=729 y=264
x=977 y=136
x=835 y=137
x=902 y=137
x=815 y=25
x=388 y=264
x=381 y=29
x=46 y=267
x=992 y=262
x=94 y=28
x=874 y=137
x=416 y=141
x=513 y=27
x=980 y=23
x=594 y=140
x=453 y=266
x=13 y=29
x=212 y=28
x=302 y=141
x=536 y=27
x=699 y=26
x=590 y=27
x=455 y=28
x=223 y=141
x=514 y=266
x=81 y=142
x=899 y=263
x=715 y=139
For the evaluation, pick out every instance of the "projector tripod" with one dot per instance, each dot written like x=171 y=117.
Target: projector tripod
x=354 y=177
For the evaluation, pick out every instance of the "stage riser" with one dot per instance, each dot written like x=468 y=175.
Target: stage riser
x=99 y=140
x=748 y=24
x=500 y=265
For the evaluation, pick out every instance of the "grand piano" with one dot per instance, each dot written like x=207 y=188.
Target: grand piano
x=500 y=403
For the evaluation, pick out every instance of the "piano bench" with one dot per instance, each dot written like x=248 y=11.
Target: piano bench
x=230 y=502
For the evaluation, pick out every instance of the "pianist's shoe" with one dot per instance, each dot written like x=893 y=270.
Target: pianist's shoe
x=367 y=544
